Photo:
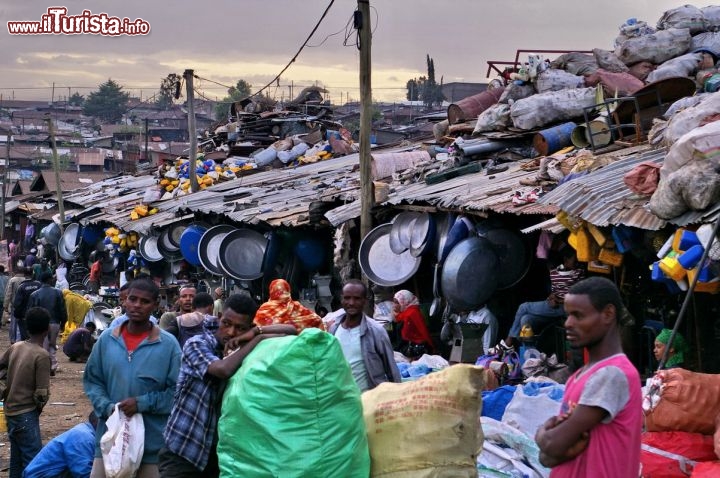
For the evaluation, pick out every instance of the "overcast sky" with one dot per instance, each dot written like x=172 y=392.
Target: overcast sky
x=225 y=40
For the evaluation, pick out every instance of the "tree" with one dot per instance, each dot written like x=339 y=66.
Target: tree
x=108 y=104
x=236 y=93
x=169 y=91
x=426 y=88
x=76 y=99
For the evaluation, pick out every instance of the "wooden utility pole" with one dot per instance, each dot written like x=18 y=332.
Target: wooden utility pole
x=4 y=183
x=56 y=167
x=189 y=74
x=367 y=198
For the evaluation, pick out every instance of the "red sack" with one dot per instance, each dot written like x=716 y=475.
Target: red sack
x=692 y=447
x=709 y=469
x=620 y=84
x=643 y=178
x=689 y=402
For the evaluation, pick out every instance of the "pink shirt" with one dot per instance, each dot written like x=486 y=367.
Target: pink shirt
x=613 y=451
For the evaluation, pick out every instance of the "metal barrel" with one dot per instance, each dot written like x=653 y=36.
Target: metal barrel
x=553 y=139
x=470 y=107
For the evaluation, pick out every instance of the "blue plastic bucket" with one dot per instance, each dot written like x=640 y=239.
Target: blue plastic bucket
x=553 y=139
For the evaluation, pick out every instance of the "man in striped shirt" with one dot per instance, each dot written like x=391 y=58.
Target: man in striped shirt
x=540 y=314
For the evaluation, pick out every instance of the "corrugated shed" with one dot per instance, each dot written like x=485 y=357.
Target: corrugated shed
x=602 y=198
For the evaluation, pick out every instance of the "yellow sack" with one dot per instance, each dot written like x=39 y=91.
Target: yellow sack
x=428 y=428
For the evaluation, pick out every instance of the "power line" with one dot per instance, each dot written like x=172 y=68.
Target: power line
x=292 y=60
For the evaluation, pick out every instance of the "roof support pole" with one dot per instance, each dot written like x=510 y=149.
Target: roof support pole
x=367 y=198
x=192 y=156
x=56 y=167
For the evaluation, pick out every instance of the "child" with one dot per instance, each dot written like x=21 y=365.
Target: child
x=28 y=387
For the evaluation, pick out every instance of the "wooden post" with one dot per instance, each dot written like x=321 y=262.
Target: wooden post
x=192 y=156
x=367 y=198
x=4 y=183
x=56 y=167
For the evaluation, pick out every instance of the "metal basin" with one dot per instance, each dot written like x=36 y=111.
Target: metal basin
x=401 y=231
x=148 y=249
x=189 y=242
x=380 y=264
x=513 y=256
x=209 y=248
x=468 y=276
x=241 y=254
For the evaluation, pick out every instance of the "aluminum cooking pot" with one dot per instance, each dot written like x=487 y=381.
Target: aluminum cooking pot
x=209 y=248
x=242 y=252
x=513 y=256
x=401 y=231
x=422 y=238
x=468 y=276
x=148 y=249
x=51 y=234
x=380 y=264
x=68 y=245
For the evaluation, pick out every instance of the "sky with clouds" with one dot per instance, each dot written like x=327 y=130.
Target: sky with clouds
x=225 y=40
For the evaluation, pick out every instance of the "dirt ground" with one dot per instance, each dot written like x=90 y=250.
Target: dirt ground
x=67 y=407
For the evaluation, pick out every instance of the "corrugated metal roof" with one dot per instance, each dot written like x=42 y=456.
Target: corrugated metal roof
x=602 y=198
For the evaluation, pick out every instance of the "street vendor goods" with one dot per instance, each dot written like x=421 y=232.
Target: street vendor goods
x=428 y=427
x=293 y=410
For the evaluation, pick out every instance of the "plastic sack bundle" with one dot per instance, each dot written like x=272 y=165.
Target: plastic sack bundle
x=688 y=402
x=689 y=119
x=687 y=16
x=552 y=106
x=656 y=48
x=428 y=428
x=532 y=405
x=293 y=410
x=123 y=444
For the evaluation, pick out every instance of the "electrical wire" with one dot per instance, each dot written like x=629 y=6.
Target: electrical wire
x=292 y=60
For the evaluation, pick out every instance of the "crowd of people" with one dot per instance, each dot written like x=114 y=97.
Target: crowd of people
x=173 y=369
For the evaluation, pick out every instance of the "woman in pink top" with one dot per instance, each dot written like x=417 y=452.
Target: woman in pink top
x=597 y=433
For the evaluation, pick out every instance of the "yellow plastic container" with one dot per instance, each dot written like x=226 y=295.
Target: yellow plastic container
x=611 y=257
x=712 y=287
x=672 y=268
x=3 y=423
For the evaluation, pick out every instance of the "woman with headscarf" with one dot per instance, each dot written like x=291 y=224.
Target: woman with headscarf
x=281 y=309
x=414 y=333
x=676 y=355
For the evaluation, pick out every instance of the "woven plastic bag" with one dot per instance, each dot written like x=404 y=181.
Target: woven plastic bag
x=427 y=428
x=123 y=444
x=293 y=410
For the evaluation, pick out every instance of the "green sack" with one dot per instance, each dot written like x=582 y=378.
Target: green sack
x=293 y=410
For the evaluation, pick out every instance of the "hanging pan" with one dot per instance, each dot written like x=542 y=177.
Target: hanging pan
x=209 y=248
x=241 y=254
x=380 y=264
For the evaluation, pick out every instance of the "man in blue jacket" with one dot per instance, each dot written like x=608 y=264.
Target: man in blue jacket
x=66 y=455
x=135 y=366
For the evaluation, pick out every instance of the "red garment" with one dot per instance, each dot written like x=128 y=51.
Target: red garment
x=414 y=329
x=281 y=309
x=132 y=340
x=96 y=271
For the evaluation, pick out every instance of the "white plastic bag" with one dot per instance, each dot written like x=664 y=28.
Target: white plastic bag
x=123 y=444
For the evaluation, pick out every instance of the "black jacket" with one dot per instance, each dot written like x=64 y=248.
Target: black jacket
x=52 y=300
x=22 y=297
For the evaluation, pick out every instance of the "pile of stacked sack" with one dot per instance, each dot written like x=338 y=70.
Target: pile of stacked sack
x=679 y=261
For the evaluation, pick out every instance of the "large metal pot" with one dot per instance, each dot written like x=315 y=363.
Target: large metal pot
x=242 y=252
x=513 y=256
x=148 y=249
x=51 y=234
x=169 y=251
x=468 y=276
x=401 y=231
x=209 y=248
x=380 y=264
x=189 y=242
x=68 y=245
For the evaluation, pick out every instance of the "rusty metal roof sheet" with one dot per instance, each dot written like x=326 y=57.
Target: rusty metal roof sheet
x=602 y=198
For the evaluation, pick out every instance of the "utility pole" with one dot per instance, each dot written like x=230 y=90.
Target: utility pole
x=56 y=167
x=367 y=198
x=4 y=183
x=146 y=140
x=194 y=187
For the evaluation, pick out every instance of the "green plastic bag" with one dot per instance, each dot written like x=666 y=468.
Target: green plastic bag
x=293 y=410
